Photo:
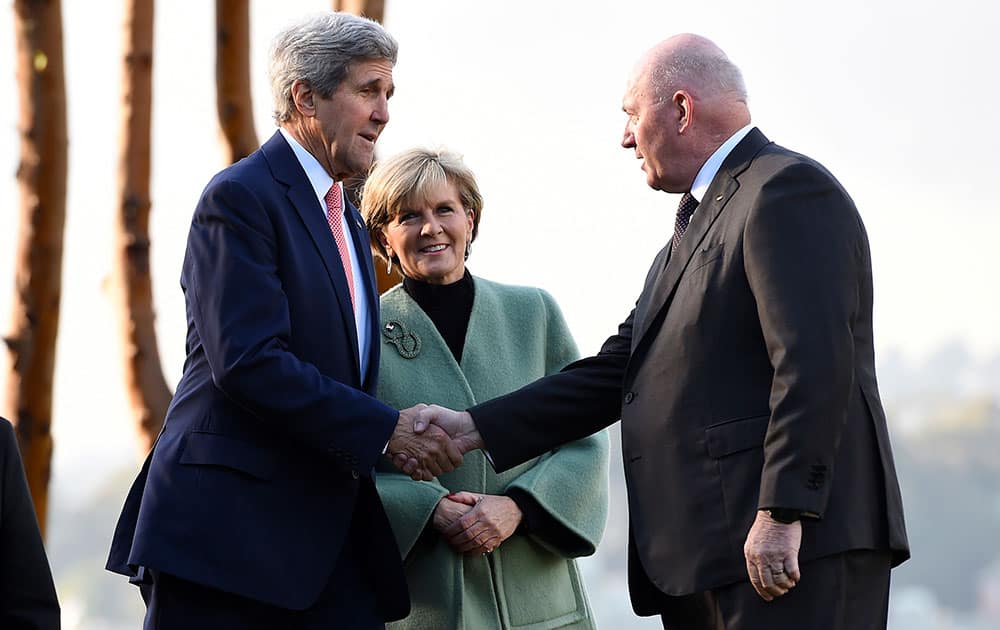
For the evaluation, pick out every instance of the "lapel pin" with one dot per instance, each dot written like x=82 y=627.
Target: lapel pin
x=406 y=341
x=719 y=198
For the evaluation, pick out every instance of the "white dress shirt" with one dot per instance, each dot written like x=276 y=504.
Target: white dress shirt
x=711 y=166
x=321 y=183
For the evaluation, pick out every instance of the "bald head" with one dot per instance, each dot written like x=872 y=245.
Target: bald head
x=684 y=99
x=695 y=64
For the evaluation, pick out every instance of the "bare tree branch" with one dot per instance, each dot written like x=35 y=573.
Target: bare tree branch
x=41 y=177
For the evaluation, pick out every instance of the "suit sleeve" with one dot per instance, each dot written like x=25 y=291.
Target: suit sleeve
x=242 y=317
x=566 y=492
x=27 y=594
x=578 y=401
x=803 y=256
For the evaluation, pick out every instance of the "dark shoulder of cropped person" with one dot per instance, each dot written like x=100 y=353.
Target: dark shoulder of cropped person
x=27 y=593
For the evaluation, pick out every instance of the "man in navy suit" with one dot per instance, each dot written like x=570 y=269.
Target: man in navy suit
x=257 y=507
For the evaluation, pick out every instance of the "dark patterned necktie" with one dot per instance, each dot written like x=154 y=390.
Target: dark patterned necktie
x=685 y=209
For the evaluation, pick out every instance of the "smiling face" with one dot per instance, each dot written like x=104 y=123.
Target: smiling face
x=341 y=131
x=429 y=236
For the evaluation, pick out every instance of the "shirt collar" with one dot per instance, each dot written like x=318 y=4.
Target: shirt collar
x=318 y=177
x=711 y=166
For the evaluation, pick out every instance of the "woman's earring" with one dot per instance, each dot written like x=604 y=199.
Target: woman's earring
x=388 y=267
x=468 y=248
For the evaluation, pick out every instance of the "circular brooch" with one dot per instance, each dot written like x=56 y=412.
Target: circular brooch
x=407 y=342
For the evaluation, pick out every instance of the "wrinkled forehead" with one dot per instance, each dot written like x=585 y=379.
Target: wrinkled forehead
x=636 y=86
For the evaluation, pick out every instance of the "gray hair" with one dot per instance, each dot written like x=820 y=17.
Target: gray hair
x=709 y=71
x=320 y=50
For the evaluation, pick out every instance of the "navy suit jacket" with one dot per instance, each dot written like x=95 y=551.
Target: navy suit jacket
x=269 y=443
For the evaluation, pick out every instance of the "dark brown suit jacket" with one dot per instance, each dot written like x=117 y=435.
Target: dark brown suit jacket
x=744 y=379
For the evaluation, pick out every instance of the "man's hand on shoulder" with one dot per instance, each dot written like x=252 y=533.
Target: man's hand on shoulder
x=425 y=455
x=772 y=555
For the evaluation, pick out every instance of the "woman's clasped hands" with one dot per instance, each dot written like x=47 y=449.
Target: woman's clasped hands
x=476 y=524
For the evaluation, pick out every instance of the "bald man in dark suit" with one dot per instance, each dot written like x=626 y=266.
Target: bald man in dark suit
x=762 y=489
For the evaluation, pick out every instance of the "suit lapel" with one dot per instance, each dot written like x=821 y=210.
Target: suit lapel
x=652 y=281
x=663 y=288
x=359 y=236
x=657 y=296
x=286 y=169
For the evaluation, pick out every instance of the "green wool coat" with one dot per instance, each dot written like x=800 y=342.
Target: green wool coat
x=515 y=335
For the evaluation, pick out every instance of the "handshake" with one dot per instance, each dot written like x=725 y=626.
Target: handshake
x=430 y=440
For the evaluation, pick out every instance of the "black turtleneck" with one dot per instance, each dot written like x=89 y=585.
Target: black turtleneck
x=449 y=307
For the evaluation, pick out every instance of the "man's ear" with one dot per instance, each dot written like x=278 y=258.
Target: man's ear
x=304 y=98
x=684 y=105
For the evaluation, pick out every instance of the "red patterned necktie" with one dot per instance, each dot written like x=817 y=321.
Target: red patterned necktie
x=685 y=209
x=334 y=211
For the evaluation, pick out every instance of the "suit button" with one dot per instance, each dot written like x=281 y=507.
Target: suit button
x=354 y=474
x=628 y=398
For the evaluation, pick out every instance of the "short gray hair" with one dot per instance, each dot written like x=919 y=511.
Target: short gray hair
x=712 y=72
x=320 y=50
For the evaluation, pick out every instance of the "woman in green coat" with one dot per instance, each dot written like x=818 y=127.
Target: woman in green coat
x=454 y=339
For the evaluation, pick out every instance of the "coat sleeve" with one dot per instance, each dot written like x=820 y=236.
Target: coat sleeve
x=409 y=504
x=567 y=488
x=803 y=250
x=242 y=317
x=27 y=594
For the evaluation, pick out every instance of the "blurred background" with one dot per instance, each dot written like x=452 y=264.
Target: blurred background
x=894 y=97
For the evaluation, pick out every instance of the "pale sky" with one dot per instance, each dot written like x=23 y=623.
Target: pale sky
x=897 y=98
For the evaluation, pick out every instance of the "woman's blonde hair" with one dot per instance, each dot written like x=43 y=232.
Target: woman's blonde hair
x=406 y=179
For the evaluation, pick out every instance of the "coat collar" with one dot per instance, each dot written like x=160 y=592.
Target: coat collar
x=718 y=194
x=399 y=309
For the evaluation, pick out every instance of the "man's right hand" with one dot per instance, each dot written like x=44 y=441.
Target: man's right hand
x=422 y=455
x=458 y=424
